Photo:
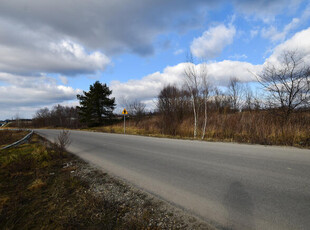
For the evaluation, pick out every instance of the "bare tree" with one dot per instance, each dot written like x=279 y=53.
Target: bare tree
x=248 y=99
x=62 y=142
x=41 y=117
x=17 y=120
x=287 y=83
x=205 y=95
x=172 y=105
x=197 y=84
x=236 y=93
x=257 y=102
x=219 y=101
x=136 y=109
x=252 y=99
x=58 y=116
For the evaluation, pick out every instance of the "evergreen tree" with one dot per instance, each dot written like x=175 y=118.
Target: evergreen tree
x=95 y=105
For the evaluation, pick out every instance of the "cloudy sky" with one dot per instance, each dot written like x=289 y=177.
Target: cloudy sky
x=52 y=50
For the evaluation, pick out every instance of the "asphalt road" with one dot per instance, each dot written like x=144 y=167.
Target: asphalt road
x=233 y=186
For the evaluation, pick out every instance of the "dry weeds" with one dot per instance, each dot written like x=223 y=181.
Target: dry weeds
x=40 y=189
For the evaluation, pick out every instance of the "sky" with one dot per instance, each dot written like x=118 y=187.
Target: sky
x=50 y=51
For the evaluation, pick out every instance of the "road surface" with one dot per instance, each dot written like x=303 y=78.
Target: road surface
x=232 y=186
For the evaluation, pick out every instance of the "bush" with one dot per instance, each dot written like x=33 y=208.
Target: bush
x=62 y=142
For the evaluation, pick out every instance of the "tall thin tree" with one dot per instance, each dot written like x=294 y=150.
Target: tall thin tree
x=197 y=84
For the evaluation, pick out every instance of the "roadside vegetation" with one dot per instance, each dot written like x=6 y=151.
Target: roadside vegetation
x=273 y=110
x=10 y=136
x=254 y=127
x=44 y=187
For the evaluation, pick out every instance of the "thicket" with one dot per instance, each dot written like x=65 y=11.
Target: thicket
x=58 y=116
x=280 y=115
x=255 y=127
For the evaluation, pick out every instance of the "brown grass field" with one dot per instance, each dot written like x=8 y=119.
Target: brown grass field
x=243 y=127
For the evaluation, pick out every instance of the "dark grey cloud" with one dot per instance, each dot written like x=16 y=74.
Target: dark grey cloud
x=73 y=37
x=31 y=30
x=265 y=9
x=30 y=52
x=114 y=26
x=119 y=25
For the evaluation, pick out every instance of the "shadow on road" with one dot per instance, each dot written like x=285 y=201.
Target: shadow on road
x=240 y=208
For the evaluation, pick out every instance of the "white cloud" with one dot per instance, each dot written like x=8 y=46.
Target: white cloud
x=266 y=10
x=148 y=88
x=71 y=51
x=110 y=26
x=64 y=80
x=178 y=52
x=238 y=57
x=271 y=33
x=300 y=43
x=76 y=38
x=213 y=41
x=254 y=33
x=221 y=72
x=113 y=26
x=64 y=57
x=275 y=35
x=27 y=93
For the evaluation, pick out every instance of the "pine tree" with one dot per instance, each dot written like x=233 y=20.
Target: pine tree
x=95 y=105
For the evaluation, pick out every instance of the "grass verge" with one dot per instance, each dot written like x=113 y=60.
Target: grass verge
x=41 y=188
x=10 y=136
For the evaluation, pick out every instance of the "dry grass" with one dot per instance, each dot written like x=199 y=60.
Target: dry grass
x=10 y=136
x=255 y=127
x=148 y=126
x=36 y=184
x=260 y=128
x=3 y=200
x=37 y=191
x=41 y=189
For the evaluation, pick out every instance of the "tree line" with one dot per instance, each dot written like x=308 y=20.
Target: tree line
x=58 y=116
x=285 y=91
x=200 y=105
x=96 y=108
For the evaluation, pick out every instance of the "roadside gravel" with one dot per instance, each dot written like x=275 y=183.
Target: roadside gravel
x=138 y=206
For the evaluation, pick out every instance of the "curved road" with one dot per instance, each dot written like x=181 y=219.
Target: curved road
x=233 y=186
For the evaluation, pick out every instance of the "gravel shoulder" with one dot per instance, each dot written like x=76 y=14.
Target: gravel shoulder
x=43 y=188
x=142 y=208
